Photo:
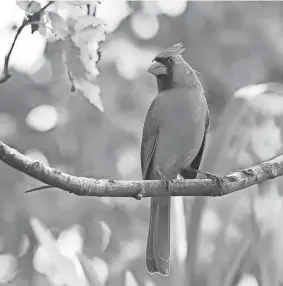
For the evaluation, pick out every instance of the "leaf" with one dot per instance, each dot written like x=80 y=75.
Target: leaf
x=59 y=26
x=35 y=18
x=90 y=34
x=42 y=118
x=29 y=7
x=73 y=60
x=22 y=4
x=42 y=27
x=64 y=265
x=88 y=45
x=84 y=22
x=90 y=91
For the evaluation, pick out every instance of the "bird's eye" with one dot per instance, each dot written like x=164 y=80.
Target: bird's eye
x=171 y=60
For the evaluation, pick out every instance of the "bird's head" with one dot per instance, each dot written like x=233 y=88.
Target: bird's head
x=171 y=70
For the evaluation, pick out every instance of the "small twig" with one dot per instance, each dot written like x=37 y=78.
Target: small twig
x=40 y=188
x=6 y=74
x=45 y=6
x=73 y=87
x=26 y=21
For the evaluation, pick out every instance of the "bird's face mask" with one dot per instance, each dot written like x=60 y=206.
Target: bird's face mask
x=157 y=68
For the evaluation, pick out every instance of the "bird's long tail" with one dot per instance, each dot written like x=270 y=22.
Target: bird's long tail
x=158 y=241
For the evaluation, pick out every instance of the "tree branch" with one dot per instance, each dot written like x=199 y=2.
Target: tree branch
x=82 y=186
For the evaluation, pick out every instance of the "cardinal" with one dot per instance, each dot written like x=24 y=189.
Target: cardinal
x=173 y=142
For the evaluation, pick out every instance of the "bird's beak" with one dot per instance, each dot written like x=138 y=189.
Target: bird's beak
x=157 y=69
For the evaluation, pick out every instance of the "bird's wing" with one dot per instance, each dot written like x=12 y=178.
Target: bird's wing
x=151 y=131
x=187 y=173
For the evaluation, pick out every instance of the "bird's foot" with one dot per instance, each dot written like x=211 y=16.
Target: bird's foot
x=164 y=179
x=180 y=177
x=217 y=179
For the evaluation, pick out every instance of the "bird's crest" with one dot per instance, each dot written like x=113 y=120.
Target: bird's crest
x=172 y=51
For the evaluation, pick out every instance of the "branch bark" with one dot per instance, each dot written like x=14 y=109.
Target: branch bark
x=82 y=186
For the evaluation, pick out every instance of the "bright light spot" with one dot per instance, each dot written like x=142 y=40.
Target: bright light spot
x=10 y=13
x=210 y=222
x=130 y=60
x=251 y=90
x=28 y=49
x=8 y=268
x=172 y=8
x=44 y=265
x=128 y=162
x=112 y=13
x=248 y=280
x=42 y=118
x=70 y=241
x=37 y=155
x=28 y=52
x=101 y=269
x=145 y=25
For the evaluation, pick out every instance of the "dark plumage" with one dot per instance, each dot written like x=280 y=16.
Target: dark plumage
x=173 y=141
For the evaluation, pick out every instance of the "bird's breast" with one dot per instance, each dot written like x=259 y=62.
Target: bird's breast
x=182 y=130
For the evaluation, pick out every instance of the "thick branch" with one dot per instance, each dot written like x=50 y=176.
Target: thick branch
x=82 y=186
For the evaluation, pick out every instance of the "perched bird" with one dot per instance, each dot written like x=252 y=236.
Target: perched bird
x=172 y=143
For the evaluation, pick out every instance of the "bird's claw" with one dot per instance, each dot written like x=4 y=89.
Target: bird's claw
x=217 y=179
x=166 y=182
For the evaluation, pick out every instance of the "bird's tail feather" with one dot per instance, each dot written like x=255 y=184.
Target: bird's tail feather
x=158 y=242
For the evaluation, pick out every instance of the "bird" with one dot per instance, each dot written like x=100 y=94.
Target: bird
x=173 y=142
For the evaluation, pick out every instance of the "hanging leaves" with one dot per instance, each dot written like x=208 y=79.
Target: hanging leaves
x=58 y=24
x=80 y=38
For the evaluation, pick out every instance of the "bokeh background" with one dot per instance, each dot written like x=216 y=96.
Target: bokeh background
x=237 y=48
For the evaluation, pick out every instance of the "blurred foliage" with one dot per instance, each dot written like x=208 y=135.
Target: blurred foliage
x=234 y=240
